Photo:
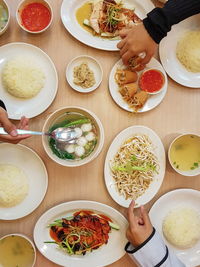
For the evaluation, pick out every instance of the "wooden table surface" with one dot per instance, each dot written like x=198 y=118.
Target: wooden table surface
x=178 y=113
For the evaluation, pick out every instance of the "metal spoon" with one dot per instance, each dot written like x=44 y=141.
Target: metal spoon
x=67 y=135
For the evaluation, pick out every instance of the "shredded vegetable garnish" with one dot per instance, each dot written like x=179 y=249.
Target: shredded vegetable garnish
x=134 y=166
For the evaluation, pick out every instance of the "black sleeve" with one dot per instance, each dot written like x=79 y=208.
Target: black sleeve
x=160 y=20
x=2 y=105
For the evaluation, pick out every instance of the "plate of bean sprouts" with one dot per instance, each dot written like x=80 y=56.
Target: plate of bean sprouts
x=134 y=166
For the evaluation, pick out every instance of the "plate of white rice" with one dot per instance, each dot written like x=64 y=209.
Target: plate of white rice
x=29 y=80
x=23 y=181
x=180 y=52
x=176 y=216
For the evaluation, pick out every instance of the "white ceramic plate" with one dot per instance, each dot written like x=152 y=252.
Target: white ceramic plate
x=92 y=64
x=167 y=51
x=32 y=107
x=68 y=16
x=153 y=100
x=158 y=178
x=35 y=170
x=105 y=255
x=172 y=200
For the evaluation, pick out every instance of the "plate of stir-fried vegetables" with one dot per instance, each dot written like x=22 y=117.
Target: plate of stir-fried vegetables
x=101 y=25
x=81 y=233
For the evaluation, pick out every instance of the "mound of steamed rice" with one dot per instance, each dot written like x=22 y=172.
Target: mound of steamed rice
x=13 y=185
x=181 y=227
x=22 y=78
x=188 y=51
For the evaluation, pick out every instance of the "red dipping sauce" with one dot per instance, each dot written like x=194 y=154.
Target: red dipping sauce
x=151 y=81
x=35 y=17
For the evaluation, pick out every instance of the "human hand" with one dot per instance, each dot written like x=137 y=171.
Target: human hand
x=136 y=40
x=10 y=128
x=140 y=227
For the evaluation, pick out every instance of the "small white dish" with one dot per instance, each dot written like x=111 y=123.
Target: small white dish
x=167 y=51
x=158 y=178
x=21 y=6
x=175 y=199
x=153 y=100
x=93 y=65
x=3 y=3
x=192 y=172
x=105 y=255
x=35 y=170
x=31 y=107
x=2 y=239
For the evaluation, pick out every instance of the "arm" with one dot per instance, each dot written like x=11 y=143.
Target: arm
x=145 y=37
x=146 y=247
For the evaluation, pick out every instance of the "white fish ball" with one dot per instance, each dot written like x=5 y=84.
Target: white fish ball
x=78 y=131
x=70 y=148
x=82 y=141
x=79 y=151
x=90 y=136
x=86 y=127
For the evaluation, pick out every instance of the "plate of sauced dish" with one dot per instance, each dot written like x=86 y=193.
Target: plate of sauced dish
x=138 y=90
x=176 y=216
x=81 y=233
x=23 y=181
x=29 y=80
x=97 y=23
x=180 y=52
x=134 y=166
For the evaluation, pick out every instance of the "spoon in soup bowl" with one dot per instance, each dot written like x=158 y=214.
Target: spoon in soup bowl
x=61 y=135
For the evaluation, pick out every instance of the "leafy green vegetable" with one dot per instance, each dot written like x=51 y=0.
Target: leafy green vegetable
x=77 y=122
x=61 y=154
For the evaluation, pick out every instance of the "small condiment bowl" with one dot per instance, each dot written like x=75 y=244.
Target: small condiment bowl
x=192 y=172
x=93 y=65
x=23 y=4
x=28 y=240
x=164 y=81
x=100 y=136
x=3 y=2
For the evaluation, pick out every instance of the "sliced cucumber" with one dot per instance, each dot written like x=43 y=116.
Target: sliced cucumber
x=114 y=226
x=86 y=22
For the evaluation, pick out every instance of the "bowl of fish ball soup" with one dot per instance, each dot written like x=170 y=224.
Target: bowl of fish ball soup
x=4 y=16
x=184 y=154
x=17 y=250
x=87 y=145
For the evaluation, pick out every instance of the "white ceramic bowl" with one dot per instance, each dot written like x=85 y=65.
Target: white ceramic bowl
x=28 y=239
x=93 y=64
x=3 y=2
x=20 y=7
x=193 y=172
x=100 y=133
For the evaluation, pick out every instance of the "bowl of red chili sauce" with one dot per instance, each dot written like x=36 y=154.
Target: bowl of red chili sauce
x=152 y=81
x=34 y=16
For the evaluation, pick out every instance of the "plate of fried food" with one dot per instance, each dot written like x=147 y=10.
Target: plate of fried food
x=97 y=23
x=81 y=233
x=138 y=89
x=134 y=167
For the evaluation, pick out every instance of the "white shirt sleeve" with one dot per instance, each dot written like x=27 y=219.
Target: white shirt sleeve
x=153 y=253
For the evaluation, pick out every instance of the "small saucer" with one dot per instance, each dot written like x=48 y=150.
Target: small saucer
x=93 y=65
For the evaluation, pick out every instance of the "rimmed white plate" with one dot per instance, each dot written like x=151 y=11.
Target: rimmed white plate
x=105 y=255
x=153 y=100
x=166 y=203
x=32 y=107
x=158 y=178
x=35 y=170
x=167 y=51
x=68 y=16
x=93 y=65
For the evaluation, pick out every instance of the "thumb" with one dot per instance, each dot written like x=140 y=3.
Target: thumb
x=145 y=216
x=123 y=33
x=7 y=125
x=147 y=58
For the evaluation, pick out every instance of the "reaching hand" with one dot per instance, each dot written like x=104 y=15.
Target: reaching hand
x=136 y=40
x=10 y=128
x=140 y=227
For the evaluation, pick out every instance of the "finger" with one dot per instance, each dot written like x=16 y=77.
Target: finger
x=7 y=125
x=131 y=216
x=23 y=123
x=123 y=33
x=123 y=50
x=121 y=44
x=126 y=57
x=145 y=216
x=147 y=58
